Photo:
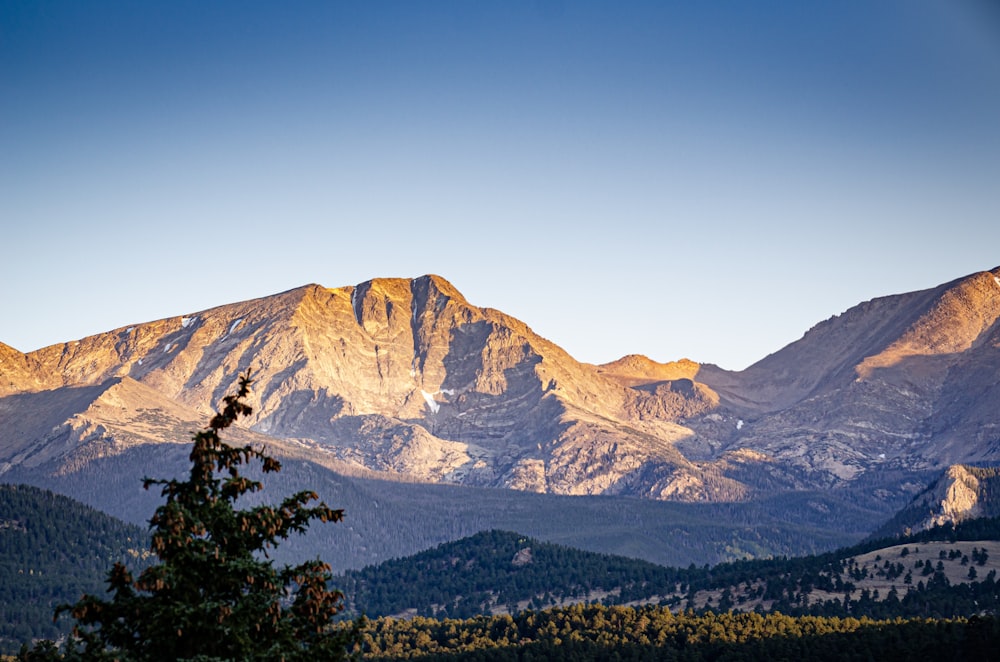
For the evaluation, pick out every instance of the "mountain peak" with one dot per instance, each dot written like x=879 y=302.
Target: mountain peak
x=15 y=370
x=957 y=318
x=636 y=369
x=439 y=284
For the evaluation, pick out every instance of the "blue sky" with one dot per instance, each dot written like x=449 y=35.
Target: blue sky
x=677 y=179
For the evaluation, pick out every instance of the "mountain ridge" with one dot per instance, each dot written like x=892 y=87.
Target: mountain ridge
x=405 y=379
x=403 y=356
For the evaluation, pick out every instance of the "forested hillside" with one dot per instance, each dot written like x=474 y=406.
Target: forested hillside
x=945 y=572
x=52 y=550
x=496 y=571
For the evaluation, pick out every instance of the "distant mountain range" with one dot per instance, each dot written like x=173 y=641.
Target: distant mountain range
x=394 y=393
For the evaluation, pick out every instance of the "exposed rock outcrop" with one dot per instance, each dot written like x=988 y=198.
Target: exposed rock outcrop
x=960 y=493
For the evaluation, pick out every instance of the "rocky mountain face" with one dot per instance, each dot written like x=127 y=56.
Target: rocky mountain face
x=901 y=382
x=406 y=380
x=961 y=493
x=392 y=375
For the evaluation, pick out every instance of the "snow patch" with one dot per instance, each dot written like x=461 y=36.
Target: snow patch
x=232 y=327
x=130 y=329
x=448 y=391
x=169 y=347
x=431 y=402
x=996 y=280
x=881 y=456
x=139 y=362
x=739 y=424
x=187 y=321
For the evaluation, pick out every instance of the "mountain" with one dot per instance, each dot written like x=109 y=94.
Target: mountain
x=906 y=381
x=396 y=376
x=403 y=389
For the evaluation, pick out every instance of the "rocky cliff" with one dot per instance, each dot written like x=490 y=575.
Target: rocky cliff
x=960 y=493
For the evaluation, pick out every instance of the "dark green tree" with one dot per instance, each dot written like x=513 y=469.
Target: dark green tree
x=215 y=595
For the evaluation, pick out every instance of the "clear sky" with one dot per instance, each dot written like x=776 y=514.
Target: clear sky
x=677 y=179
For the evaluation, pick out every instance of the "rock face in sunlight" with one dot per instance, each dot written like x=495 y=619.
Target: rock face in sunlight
x=392 y=375
x=406 y=380
x=961 y=493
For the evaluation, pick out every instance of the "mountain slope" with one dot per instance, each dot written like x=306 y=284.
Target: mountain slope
x=906 y=381
x=877 y=336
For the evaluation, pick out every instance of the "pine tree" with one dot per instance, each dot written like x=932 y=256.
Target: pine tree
x=214 y=595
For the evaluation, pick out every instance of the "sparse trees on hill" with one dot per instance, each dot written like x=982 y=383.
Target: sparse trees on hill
x=215 y=595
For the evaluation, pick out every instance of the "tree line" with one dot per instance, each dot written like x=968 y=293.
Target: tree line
x=596 y=632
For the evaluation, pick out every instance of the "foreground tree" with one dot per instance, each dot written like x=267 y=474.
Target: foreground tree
x=214 y=595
